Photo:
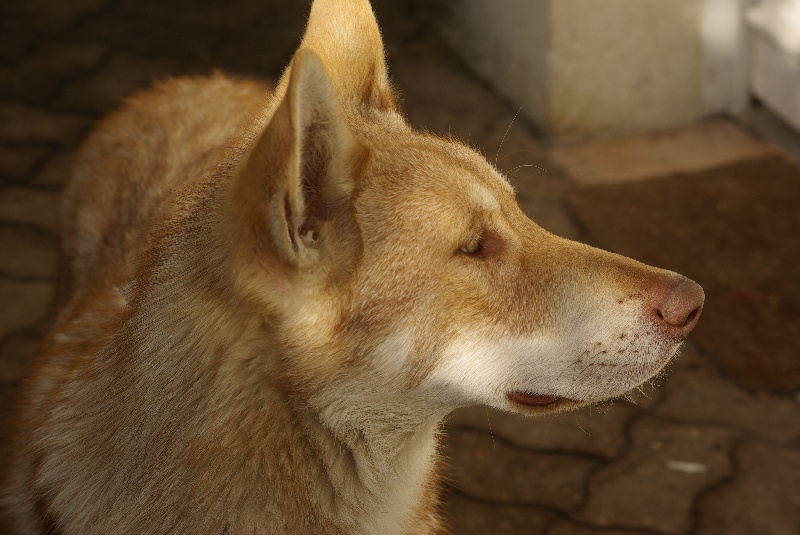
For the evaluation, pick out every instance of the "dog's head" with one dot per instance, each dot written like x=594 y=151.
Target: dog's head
x=397 y=266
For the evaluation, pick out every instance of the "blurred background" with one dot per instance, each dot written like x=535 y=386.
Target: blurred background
x=665 y=130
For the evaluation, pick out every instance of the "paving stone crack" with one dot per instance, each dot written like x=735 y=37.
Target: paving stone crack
x=514 y=445
x=733 y=459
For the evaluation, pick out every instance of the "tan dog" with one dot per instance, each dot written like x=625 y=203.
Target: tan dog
x=270 y=302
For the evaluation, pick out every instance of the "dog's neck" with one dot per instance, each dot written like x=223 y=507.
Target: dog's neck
x=368 y=463
x=380 y=462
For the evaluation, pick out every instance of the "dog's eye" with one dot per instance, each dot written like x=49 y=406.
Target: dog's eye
x=486 y=243
x=472 y=247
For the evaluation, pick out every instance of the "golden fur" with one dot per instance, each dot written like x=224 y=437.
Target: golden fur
x=268 y=303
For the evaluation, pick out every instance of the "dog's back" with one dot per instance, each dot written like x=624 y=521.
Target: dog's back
x=138 y=169
x=129 y=170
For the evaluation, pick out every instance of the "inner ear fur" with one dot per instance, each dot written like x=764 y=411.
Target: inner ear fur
x=313 y=148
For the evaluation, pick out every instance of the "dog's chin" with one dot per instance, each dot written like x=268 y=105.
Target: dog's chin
x=531 y=403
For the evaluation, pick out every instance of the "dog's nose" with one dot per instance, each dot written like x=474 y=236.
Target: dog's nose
x=679 y=309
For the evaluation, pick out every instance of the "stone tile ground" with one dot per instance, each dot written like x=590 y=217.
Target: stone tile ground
x=693 y=455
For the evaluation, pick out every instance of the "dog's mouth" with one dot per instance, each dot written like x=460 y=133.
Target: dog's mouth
x=533 y=400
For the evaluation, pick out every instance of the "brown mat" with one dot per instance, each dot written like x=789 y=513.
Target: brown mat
x=736 y=231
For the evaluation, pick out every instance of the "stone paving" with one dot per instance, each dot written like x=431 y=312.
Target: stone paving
x=692 y=454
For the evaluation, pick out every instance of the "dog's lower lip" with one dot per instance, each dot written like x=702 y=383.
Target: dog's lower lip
x=533 y=400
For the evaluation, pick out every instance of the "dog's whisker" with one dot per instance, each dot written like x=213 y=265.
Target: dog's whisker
x=549 y=423
x=512 y=153
x=582 y=429
x=504 y=136
x=491 y=433
x=517 y=168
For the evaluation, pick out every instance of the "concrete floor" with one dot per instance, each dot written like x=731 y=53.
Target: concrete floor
x=693 y=454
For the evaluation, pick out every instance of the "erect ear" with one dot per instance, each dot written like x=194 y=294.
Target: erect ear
x=345 y=35
x=307 y=151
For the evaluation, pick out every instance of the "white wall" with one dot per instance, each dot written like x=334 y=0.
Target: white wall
x=622 y=65
x=505 y=42
x=601 y=68
x=724 y=43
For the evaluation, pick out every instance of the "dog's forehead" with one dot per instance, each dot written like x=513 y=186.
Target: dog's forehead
x=481 y=197
x=460 y=180
x=438 y=191
x=421 y=167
